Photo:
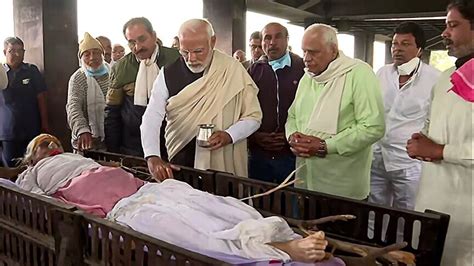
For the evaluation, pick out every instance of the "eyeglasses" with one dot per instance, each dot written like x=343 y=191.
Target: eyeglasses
x=141 y=39
x=186 y=53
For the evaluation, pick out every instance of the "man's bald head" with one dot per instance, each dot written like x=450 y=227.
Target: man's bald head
x=327 y=32
x=319 y=47
x=196 y=43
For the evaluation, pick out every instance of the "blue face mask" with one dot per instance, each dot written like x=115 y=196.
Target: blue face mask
x=100 y=71
x=281 y=62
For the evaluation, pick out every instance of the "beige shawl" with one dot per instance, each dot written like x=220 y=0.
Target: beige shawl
x=223 y=96
x=325 y=115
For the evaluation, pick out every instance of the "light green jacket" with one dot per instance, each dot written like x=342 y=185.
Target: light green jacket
x=345 y=171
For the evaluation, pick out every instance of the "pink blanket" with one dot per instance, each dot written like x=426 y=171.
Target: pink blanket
x=98 y=190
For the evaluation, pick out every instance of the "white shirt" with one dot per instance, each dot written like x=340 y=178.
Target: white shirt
x=406 y=110
x=155 y=113
x=447 y=186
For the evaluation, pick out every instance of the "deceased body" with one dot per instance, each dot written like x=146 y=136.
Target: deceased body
x=171 y=211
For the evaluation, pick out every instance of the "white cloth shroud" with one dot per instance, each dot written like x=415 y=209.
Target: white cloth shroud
x=174 y=212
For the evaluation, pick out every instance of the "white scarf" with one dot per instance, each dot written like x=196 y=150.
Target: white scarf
x=95 y=105
x=147 y=73
x=325 y=114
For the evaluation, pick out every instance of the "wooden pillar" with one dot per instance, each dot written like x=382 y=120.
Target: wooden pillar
x=388 y=52
x=364 y=46
x=49 y=31
x=228 y=17
x=425 y=56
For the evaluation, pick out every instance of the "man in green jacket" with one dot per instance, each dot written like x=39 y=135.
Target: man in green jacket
x=131 y=81
x=335 y=118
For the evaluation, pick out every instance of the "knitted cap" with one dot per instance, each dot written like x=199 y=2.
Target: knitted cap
x=89 y=43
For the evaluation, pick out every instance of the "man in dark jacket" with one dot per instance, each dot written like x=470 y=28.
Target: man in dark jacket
x=276 y=74
x=23 y=109
x=131 y=81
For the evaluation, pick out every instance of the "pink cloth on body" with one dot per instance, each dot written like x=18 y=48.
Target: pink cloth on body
x=97 y=191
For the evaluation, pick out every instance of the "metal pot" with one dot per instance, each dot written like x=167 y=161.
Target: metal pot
x=204 y=133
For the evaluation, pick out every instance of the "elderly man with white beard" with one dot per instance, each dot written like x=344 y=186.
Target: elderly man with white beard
x=204 y=86
x=86 y=96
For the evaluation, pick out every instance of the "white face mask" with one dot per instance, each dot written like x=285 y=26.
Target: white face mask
x=408 y=67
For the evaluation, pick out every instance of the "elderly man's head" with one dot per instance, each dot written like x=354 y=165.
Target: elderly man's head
x=197 y=41
x=319 y=47
x=107 y=45
x=255 y=43
x=91 y=52
x=141 y=37
x=407 y=42
x=42 y=146
x=14 y=51
x=275 y=40
x=118 y=51
x=459 y=33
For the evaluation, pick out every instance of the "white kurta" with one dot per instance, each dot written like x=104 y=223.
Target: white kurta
x=447 y=186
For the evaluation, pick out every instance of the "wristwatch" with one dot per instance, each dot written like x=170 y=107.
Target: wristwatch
x=322 y=150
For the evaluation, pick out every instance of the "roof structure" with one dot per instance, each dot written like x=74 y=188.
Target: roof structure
x=352 y=16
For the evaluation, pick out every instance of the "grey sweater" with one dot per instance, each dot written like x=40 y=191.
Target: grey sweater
x=76 y=106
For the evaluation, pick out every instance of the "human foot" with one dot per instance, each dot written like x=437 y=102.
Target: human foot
x=309 y=249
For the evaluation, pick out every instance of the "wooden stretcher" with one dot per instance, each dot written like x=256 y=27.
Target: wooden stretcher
x=68 y=236
x=375 y=225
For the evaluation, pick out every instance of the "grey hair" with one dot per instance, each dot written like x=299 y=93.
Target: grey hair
x=13 y=41
x=329 y=33
x=193 y=25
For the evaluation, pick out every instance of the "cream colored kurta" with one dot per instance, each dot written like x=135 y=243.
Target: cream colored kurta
x=447 y=186
x=223 y=96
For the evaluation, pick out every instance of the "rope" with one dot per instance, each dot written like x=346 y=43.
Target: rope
x=283 y=184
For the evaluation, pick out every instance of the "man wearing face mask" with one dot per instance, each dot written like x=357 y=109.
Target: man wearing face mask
x=204 y=86
x=131 y=82
x=406 y=89
x=446 y=142
x=86 y=96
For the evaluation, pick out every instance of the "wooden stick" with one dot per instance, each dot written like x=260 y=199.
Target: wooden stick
x=283 y=184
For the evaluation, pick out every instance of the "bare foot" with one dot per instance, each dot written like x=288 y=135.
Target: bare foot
x=309 y=249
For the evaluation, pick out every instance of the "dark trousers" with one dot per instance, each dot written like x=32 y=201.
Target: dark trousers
x=267 y=169
x=11 y=150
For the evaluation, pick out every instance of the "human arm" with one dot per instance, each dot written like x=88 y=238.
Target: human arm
x=306 y=146
x=76 y=98
x=300 y=144
x=423 y=148
x=249 y=122
x=11 y=173
x=150 y=130
x=113 y=118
